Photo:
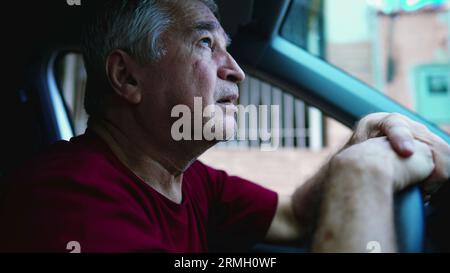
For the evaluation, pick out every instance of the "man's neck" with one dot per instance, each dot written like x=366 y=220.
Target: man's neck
x=160 y=171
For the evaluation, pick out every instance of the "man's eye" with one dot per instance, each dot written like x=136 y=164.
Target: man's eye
x=206 y=42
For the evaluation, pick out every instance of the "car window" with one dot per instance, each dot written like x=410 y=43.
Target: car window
x=399 y=47
x=71 y=80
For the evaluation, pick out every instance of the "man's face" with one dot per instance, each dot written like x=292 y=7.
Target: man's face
x=195 y=64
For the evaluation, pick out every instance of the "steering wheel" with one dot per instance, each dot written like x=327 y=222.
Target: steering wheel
x=410 y=220
x=409 y=223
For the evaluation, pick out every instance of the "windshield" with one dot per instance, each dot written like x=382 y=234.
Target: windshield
x=399 y=47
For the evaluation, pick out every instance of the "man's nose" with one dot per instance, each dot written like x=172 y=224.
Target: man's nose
x=230 y=70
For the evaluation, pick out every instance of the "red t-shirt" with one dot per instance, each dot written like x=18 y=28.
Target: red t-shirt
x=79 y=191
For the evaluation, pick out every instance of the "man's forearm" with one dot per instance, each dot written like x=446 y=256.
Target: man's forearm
x=356 y=209
x=306 y=202
x=295 y=215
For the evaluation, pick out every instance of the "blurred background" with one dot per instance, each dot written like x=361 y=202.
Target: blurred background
x=399 y=47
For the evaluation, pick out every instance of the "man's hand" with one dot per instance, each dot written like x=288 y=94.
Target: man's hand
x=358 y=193
x=401 y=132
x=375 y=156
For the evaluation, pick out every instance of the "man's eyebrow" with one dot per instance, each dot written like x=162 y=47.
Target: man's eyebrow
x=211 y=26
x=206 y=26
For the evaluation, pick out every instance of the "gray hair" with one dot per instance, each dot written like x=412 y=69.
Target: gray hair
x=134 y=26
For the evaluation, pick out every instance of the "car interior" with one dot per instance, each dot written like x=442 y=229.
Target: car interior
x=34 y=113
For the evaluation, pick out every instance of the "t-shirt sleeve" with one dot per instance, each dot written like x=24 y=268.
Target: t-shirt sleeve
x=240 y=212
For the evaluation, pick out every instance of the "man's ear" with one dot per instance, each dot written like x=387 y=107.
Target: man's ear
x=121 y=70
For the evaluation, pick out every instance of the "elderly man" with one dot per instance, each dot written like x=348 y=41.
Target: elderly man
x=127 y=185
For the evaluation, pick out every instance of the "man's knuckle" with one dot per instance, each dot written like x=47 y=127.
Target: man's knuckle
x=395 y=115
x=362 y=122
x=421 y=127
x=396 y=122
x=398 y=118
x=375 y=116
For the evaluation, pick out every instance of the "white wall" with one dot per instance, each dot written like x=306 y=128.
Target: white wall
x=347 y=21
